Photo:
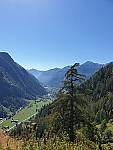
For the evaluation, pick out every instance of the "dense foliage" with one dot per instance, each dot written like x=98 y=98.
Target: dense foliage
x=52 y=123
x=101 y=86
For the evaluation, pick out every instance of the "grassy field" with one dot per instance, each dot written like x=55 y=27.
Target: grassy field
x=25 y=112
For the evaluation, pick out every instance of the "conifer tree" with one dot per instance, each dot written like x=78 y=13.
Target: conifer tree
x=72 y=77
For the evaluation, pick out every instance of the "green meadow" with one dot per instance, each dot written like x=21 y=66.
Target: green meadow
x=25 y=113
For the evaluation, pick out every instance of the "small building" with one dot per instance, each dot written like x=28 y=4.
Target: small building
x=14 y=121
x=37 y=109
x=36 y=102
x=5 y=127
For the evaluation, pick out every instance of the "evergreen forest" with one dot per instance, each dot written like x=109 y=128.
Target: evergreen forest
x=79 y=118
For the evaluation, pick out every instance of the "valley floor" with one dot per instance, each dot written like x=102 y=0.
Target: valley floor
x=26 y=113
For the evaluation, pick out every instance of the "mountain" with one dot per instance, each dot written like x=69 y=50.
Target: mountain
x=101 y=87
x=89 y=68
x=93 y=106
x=54 y=77
x=46 y=77
x=76 y=115
x=35 y=72
x=101 y=82
x=16 y=84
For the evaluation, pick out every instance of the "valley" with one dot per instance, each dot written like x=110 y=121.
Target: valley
x=27 y=113
x=59 y=106
x=55 y=76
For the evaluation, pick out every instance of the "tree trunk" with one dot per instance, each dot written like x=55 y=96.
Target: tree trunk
x=71 y=114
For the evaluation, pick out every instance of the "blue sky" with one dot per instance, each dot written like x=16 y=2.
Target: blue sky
x=44 y=34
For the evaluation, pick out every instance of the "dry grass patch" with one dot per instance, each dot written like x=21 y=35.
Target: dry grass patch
x=6 y=141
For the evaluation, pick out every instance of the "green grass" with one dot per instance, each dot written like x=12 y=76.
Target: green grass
x=98 y=126
x=25 y=113
x=109 y=126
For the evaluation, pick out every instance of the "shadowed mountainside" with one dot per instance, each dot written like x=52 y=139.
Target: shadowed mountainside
x=16 y=84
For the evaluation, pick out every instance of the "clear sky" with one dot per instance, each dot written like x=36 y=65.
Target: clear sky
x=44 y=34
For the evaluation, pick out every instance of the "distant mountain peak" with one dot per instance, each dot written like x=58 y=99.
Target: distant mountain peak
x=88 y=62
x=32 y=69
x=54 y=77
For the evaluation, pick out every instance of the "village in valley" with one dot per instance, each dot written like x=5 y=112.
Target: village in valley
x=34 y=106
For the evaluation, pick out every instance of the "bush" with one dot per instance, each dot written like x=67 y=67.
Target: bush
x=108 y=133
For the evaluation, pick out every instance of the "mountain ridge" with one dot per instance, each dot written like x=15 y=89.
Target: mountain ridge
x=16 y=84
x=54 y=77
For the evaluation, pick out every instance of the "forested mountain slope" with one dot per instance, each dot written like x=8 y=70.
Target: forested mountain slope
x=78 y=105
x=16 y=83
x=101 y=87
x=94 y=103
x=101 y=82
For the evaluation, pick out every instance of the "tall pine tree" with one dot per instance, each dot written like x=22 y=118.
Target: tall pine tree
x=72 y=77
